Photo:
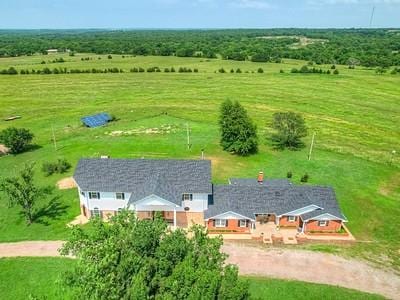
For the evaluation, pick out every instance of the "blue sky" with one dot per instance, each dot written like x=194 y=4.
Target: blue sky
x=197 y=13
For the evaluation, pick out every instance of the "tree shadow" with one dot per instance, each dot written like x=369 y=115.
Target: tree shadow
x=53 y=211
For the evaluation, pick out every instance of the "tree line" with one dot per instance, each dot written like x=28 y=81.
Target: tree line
x=367 y=47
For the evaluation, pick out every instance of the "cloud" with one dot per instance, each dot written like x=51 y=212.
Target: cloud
x=360 y=2
x=254 y=4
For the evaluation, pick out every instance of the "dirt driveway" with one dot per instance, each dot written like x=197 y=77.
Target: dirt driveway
x=293 y=264
x=311 y=266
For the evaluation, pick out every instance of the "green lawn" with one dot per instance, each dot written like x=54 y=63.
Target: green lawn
x=355 y=115
x=40 y=278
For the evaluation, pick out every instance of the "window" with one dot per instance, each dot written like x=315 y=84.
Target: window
x=220 y=223
x=187 y=197
x=120 y=196
x=242 y=223
x=94 y=195
x=323 y=223
x=83 y=194
x=95 y=213
x=291 y=218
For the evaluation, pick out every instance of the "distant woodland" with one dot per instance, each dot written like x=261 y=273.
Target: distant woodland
x=366 y=47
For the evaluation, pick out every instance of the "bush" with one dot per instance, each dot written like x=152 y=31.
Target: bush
x=305 y=178
x=333 y=67
x=221 y=70
x=281 y=71
x=16 y=139
x=260 y=70
x=289 y=174
x=238 y=71
x=294 y=70
x=336 y=72
x=61 y=166
x=232 y=71
x=109 y=56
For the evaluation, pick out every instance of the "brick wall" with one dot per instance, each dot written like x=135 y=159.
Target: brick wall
x=284 y=222
x=232 y=225
x=333 y=226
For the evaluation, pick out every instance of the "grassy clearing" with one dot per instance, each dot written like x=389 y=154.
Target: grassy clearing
x=40 y=278
x=355 y=116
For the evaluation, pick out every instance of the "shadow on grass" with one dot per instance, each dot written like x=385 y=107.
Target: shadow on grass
x=53 y=211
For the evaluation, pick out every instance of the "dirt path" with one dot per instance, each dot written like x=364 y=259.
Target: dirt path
x=30 y=248
x=293 y=264
x=315 y=267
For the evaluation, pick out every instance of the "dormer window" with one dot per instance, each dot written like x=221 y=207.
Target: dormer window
x=94 y=195
x=187 y=197
x=120 y=196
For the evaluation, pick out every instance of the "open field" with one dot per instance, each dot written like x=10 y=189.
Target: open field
x=355 y=116
x=40 y=278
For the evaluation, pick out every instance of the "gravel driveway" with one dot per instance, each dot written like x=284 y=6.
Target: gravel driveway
x=293 y=264
x=311 y=266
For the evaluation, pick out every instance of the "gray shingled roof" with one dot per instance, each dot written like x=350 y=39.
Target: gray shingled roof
x=266 y=182
x=168 y=178
x=249 y=200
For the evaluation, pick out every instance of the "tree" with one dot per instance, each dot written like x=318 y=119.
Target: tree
x=238 y=132
x=16 y=139
x=23 y=192
x=290 y=128
x=129 y=258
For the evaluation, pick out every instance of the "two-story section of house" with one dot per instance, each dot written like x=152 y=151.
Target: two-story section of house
x=178 y=189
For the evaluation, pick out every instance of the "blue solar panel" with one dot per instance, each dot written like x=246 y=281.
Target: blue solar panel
x=96 y=120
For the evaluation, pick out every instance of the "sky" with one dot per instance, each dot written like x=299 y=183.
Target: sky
x=69 y=14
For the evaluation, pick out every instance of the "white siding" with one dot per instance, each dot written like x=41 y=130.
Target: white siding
x=107 y=200
x=198 y=204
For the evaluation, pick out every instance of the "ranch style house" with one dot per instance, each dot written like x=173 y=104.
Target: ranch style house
x=182 y=191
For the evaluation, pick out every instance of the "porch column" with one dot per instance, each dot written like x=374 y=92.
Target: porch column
x=174 y=218
x=303 y=228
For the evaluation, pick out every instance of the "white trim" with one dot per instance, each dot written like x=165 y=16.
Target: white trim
x=229 y=212
x=220 y=225
x=162 y=200
x=291 y=219
x=325 y=217
x=325 y=222
x=240 y=223
x=308 y=208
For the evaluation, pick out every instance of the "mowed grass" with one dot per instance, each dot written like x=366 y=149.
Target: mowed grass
x=41 y=278
x=355 y=115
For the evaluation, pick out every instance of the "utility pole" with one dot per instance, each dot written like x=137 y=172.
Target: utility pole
x=54 y=137
x=372 y=17
x=311 y=146
x=188 y=135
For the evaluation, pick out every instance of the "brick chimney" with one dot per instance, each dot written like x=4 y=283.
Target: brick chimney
x=260 y=177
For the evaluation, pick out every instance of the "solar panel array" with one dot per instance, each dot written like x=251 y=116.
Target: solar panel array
x=96 y=120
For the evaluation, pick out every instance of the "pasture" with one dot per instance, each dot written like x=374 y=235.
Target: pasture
x=355 y=115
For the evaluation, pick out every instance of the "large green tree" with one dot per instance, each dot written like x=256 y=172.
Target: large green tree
x=290 y=128
x=128 y=258
x=238 y=132
x=16 y=139
x=21 y=191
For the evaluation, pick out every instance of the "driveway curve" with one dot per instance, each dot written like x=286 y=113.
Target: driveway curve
x=292 y=264
x=316 y=267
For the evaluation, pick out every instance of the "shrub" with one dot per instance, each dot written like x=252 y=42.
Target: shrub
x=195 y=70
x=333 y=67
x=281 y=71
x=260 y=70
x=109 y=56
x=294 y=70
x=172 y=70
x=221 y=70
x=305 y=178
x=16 y=139
x=238 y=71
x=336 y=72
x=166 y=70
x=289 y=174
x=232 y=71
x=61 y=166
